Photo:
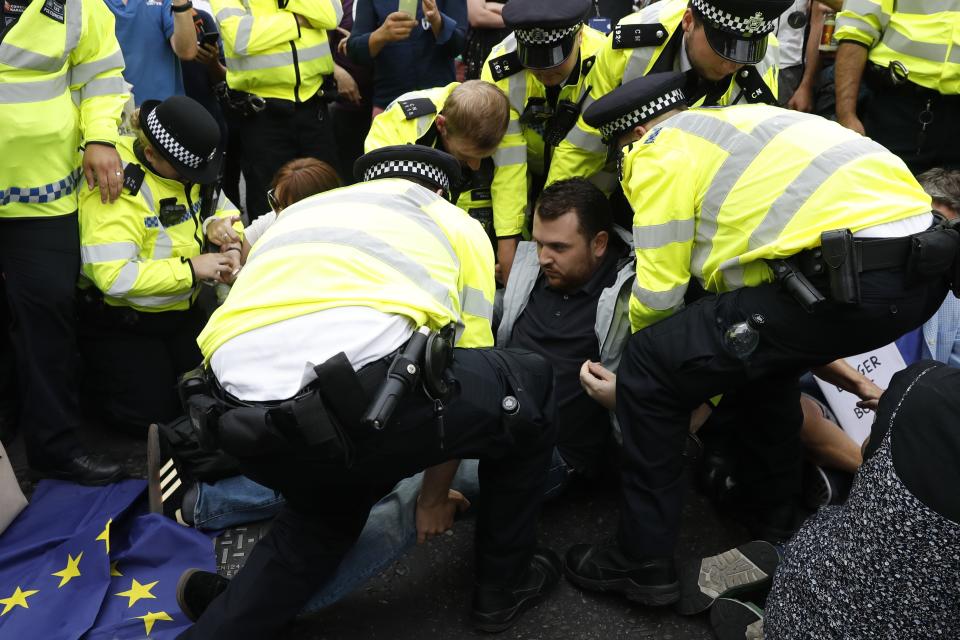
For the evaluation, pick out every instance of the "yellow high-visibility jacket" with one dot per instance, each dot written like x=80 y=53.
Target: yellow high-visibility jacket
x=656 y=48
x=388 y=244
x=523 y=146
x=716 y=191
x=61 y=87
x=269 y=54
x=130 y=255
x=924 y=35
x=410 y=120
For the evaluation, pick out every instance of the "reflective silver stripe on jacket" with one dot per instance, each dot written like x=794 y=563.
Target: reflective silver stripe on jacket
x=13 y=56
x=108 y=252
x=926 y=7
x=925 y=50
x=472 y=301
x=505 y=156
x=273 y=60
x=582 y=139
x=39 y=91
x=83 y=73
x=103 y=87
x=859 y=25
x=654 y=236
x=159 y=301
x=660 y=300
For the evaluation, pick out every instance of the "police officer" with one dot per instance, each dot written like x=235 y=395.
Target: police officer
x=466 y=120
x=61 y=88
x=278 y=59
x=543 y=68
x=908 y=58
x=725 y=47
x=733 y=197
x=142 y=254
x=348 y=292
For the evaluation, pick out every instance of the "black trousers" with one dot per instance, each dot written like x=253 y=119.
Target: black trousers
x=327 y=505
x=281 y=132
x=893 y=118
x=132 y=361
x=40 y=261
x=674 y=365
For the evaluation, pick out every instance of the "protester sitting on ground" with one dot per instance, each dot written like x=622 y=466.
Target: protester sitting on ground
x=142 y=256
x=882 y=564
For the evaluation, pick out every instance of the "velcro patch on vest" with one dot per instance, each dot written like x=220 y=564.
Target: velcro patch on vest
x=505 y=66
x=133 y=176
x=631 y=36
x=754 y=88
x=416 y=107
x=54 y=9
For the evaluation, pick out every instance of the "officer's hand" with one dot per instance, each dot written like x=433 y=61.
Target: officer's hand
x=397 y=27
x=599 y=383
x=220 y=231
x=102 y=166
x=506 y=251
x=210 y=266
x=346 y=85
x=434 y=519
x=802 y=99
x=852 y=122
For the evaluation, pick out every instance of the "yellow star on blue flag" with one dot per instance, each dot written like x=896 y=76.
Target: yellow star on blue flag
x=18 y=599
x=71 y=571
x=151 y=618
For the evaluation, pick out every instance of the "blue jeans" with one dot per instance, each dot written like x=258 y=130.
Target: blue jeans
x=390 y=529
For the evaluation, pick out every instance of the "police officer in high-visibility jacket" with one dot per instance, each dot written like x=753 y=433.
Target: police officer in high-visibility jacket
x=735 y=197
x=468 y=121
x=61 y=89
x=139 y=323
x=725 y=47
x=278 y=58
x=907 y=54
x=334 y=291
x=543 y=68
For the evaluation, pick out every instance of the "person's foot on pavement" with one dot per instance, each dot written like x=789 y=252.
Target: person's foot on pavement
x=196 y=589
x=496 y=609
x=746 y=568
x=86 y=469
x=604 y=567
x=823 y=486
x=736 y=620
x=170 y=491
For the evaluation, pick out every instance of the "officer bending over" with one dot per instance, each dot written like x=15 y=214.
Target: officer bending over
x=333 y=291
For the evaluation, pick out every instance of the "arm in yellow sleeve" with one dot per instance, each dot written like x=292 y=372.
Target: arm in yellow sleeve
x=96 y=73
x=246 y=34
x=322 y=14
x=475 y=285
x=509 y=187
x=863 y=21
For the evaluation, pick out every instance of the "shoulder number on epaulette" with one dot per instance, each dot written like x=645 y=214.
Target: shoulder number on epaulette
x=631 y=36
x=505 y=66
x=133 y=176
x=587 y=64
x=754 y=88
x=416 y=107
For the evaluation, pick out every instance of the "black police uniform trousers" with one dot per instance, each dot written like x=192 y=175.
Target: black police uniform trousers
x=327 y=504
x=674 y=365
x=283 y=131
x=40 y=261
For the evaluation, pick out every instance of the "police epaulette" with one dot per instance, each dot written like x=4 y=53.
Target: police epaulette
x=505 y=66
x=416 y=107
x=754 y=88
x=587 y=64
x=631 y=36
x=133 y=176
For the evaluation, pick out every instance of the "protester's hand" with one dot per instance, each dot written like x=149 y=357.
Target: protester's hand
x=802 y=99
x=342 y=45
x=599 y=383
x=432 y=14
x=102 y=166
x=208 y=54
x=434 y=519
x=397 y=27
x=869 y=395
x=211 y=266
x=346 y=85
x=233 y=254
x=852 y=122
x=220 y=231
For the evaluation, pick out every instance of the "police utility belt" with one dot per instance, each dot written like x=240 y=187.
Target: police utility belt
x=248 y=104
x=329 y=419
x=841 y=258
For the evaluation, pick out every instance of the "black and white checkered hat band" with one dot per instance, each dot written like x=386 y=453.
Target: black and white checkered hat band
x=186 y=157
x=641 y=115
x=540 y=37
x=751 y=26
x=407 y=167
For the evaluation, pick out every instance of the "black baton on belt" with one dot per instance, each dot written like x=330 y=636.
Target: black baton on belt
x=402 y=375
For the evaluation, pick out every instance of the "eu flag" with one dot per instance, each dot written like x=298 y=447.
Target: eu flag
x=89 y=562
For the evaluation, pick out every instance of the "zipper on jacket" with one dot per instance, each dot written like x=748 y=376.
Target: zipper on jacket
x=296 y=70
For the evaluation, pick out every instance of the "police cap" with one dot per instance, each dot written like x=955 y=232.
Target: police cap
x=635 y=102
x=545 y=31
x=737 y=29
x=186 y=135
x=410 y=161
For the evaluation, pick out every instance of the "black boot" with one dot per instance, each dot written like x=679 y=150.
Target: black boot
x=496 y=609
x=196 y=589
x=604 y=567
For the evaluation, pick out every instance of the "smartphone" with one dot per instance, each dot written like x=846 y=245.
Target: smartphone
x=408 y=7
x=211 y=37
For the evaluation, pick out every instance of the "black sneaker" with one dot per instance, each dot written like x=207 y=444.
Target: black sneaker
x=736 y=620
x=822 y=486
x=498 y=609
x=604 y=567
x=170 y=491
x=746 y=568
x=196 y=589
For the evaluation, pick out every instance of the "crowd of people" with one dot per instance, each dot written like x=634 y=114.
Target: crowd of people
x=356 y=266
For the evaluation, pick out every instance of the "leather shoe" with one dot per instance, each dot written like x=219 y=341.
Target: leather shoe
x=496 y=609
x=86 y=469
x=604 y=567
x=196 y=589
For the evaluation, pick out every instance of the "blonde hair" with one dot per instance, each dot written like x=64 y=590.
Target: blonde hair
x=479 y=112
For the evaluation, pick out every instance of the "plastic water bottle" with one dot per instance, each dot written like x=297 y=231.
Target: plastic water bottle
x=741 y=339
